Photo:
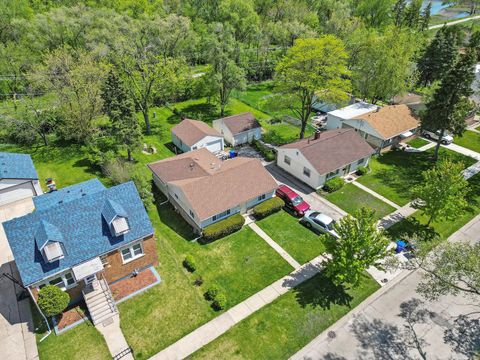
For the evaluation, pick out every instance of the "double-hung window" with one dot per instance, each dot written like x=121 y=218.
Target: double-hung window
x=261 y=197
x=132 y=252
x=64 y=281
x=221 y=215
x=287 y=160
x=361 y=161
x=306 y=172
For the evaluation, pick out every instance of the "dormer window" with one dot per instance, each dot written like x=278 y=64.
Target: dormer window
x=53 y=251
x=116 y=218
x=49 y=241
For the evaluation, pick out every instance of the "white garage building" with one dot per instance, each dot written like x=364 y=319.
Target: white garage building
x=18 y=178
x=192 y=135
x=239 y=129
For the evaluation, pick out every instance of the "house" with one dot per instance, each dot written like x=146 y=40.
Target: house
x=326 y=155
x=193 y=134
x=18 y=178
x=204 y=189
x=381 y=127
x=83 y=238
x=239 y=129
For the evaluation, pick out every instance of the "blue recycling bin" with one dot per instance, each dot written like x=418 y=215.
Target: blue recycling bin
x=232 y=154
x=400 y=246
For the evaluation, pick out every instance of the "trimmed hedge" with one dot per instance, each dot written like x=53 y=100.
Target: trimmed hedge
x=220 y=302
x=212 y=292
x=267 y=153
x=362 y=170
x=224 y=227
x=334 y=184
x=268 y=207
x=189 y=263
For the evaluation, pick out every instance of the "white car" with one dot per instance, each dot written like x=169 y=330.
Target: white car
x=319 y=120
x=319 y=222
x=447 y=139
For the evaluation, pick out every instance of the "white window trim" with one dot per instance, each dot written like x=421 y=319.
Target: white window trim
x=134 y=257
x=62 y=275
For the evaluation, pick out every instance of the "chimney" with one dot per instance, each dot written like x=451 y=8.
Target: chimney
x=317 y=135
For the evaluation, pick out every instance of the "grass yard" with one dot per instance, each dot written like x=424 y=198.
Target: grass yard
x=395 y=173
x=300 y=242
x=469 y=140
x=241 y=264
x=350 y=198
x=283 y=327
x=443 y=228
x=417 y=142
x=80 y=343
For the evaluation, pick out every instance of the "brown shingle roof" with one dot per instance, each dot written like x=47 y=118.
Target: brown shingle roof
x=390 y=121
x=240 y=123
x=333 y=150
x=191 y=131
x=211 y=185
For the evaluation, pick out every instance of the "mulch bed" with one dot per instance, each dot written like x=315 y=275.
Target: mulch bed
x=130 y=285
x=70 y=316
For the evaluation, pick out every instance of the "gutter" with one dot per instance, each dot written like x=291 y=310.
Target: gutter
x=41 y=313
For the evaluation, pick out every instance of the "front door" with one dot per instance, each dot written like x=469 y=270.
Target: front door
x=243 y=208
x=346 y=170
x=90 y=279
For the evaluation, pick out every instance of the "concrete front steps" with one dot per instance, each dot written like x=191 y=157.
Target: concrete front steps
x=99 y=300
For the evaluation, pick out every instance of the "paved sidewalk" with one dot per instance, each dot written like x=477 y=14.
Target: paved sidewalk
x=426 y=147
x=218 y=326
x=378 y=196
x=462 y=150
x=454 y=22
x=281 y=251
x=399 y=215
x=111 y=331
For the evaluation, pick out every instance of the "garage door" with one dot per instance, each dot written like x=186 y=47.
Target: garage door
x=215 y=146
x=16 y=192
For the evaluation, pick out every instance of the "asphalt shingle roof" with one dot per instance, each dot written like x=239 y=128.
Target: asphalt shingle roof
x=85 y=233
x=67 y=194
x=17 y=166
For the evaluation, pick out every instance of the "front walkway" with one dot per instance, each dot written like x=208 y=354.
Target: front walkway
x=221 y=324
x=287 y=257
x=111 y=331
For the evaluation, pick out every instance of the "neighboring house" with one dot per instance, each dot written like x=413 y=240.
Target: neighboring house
x=381 y=127
x=193 y=134
x=205 y=189
x=18 y=178
x=239 y=129
x=82 y=238
x=326 y=155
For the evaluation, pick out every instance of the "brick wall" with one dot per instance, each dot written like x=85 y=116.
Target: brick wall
x=116 y=269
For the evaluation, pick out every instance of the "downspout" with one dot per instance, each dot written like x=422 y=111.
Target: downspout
x=41 y=313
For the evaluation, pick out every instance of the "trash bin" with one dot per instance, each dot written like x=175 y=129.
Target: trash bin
x=400 y=246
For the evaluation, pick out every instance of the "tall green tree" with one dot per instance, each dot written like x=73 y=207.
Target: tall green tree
x=119 y=108
x=313 y=67
x=375 y=13
x=449 y=106
x=361 y=244
x=442 y=192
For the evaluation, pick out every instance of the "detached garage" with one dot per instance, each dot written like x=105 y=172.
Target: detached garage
x=18 y=178
x=192 y=135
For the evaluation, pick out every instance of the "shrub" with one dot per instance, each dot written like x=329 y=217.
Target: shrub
x=198 y=281
x=144 y=188
x=268 y=207
x=334 y=184
x=52 y=301
x=220 y=302
x=117 y=170
x=362 y=170
x=223 y=228
x=212 y=292
x=267 y=153
x=189 y=263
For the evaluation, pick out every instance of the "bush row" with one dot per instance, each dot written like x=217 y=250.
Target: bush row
x=334 y=184
x=217 y=296
x=267 y=153
x=268 y=207
x=223 y=228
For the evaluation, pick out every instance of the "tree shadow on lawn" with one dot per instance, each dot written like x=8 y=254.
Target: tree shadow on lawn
x=411 y=228
x=320 y=291
x=206 y=112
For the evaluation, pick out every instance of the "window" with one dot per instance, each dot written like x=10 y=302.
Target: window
x=287 y=160
x=221 y=215
x=306 y=172
x=194 y=148
x=64 y=281
x=192 y=214
x=361 y=161
x=70 y=279
x=104 y=259
x=132 y=252
x=261 y=197
x=332 y=174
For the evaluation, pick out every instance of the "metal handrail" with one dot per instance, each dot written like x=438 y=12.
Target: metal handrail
x=122 y=353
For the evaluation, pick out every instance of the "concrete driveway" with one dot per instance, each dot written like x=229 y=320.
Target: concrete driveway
x=17 y=340
x=309 y=195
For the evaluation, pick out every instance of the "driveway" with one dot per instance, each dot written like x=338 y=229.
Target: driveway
x=17 y=340
x=309 y=194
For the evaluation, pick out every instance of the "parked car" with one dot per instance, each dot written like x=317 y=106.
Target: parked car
x=319 y=222
x=447 y=139
x=293 y=201
x=319 y=121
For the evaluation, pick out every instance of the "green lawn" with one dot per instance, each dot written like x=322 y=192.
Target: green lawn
x=394 y=173
x=417 y=142
x=350 y=198
x=241 y=264
x=300 y=242
x=469 y=140
x=80 y=343
x=283 y=327
x=443 y=228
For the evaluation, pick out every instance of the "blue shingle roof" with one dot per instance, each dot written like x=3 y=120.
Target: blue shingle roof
x=112 y=209
x=47 y=232
x=17 y=166
x=85 y=232
x=67 y=194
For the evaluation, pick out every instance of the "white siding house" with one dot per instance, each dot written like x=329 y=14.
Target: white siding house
x=192 y=135
x=239 y=129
